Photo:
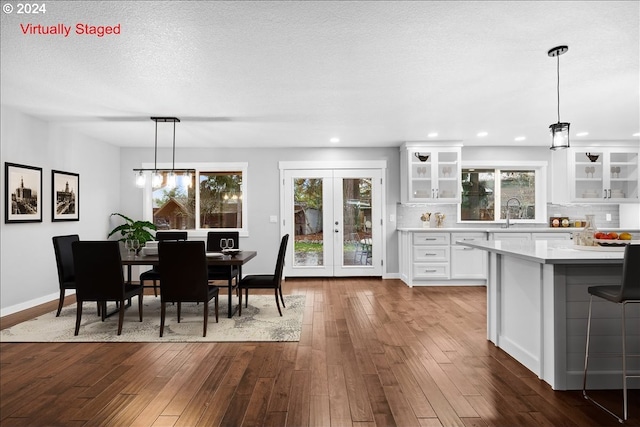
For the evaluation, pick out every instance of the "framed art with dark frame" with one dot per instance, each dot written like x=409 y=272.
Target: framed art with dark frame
x=65 y=192
x=23 y=193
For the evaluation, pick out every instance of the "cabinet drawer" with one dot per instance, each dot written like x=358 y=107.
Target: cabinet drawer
x=430 y=271
x=430 y=238
x=467 y=237
x=431 y=253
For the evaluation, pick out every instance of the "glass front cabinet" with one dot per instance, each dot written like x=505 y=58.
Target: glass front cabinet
x=430 y=174
x=604 y=174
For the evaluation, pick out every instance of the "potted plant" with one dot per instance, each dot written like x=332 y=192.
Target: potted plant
x=134 y=230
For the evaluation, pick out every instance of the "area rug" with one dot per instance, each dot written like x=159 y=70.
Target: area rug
x=260 y=321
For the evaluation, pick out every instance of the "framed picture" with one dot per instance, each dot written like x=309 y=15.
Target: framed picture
x=65 y=188
x=23 y=193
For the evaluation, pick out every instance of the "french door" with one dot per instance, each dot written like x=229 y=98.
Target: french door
x=334 y=219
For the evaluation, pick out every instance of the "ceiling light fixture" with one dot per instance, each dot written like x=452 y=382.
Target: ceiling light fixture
x=334 y=140
x=483 y=134
x=432 y=134
x=582 y=133
x=156 y=174
x=520 y=138
x=560 y=130
x=636 y=134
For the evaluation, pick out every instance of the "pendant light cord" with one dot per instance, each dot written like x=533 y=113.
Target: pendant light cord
x=155 y=159
x=558 y=87
x=173 y=165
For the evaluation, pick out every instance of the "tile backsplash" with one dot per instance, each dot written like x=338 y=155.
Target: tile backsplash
x=408 y=215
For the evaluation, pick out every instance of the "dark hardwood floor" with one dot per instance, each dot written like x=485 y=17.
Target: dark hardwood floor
x=372 y=353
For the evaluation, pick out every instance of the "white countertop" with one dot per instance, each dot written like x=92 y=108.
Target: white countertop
x=548 y=251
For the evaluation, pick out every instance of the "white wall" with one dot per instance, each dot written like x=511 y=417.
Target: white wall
x=264 y=189
x=28 y=275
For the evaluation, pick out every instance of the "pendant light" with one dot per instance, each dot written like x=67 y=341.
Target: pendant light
x=156 y=174
x=560 y=130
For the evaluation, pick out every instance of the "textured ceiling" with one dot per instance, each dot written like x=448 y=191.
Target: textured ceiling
x=289 y=74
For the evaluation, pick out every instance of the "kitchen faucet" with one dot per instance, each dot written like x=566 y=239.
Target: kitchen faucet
x=509 y=210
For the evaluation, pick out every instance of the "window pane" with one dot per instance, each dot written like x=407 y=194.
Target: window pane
x=477 y=195
x=518 y=189
x=174 y=208
x=221 y=199
x=308 y=235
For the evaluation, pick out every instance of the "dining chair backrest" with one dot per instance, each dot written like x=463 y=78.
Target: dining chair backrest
x=98 y=269
x=183 y=270
x=280 y=262
x=171 y=235
x=630 y=289
x=213 y=240
x=64 y=257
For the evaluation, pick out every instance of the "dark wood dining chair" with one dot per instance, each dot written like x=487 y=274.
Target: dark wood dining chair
x=64 y=263
x=265 y=281
x=224 y=272
x=154 y=274
x=99 y=277
x=184 y=278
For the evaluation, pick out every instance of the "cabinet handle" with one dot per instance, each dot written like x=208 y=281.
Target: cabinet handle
x=428 y=254
x=466 y=248
x=430 y=271
x=609 y=193
x=430 y=238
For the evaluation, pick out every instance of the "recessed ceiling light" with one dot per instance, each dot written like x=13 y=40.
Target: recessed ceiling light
x=636 y=134
x=481 y=134
x=334 y=140
x=520 y=138
x=582 y=133
x=432 y=134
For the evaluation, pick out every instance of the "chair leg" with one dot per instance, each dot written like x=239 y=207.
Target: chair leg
x=246 y=297
x=78 y=317
x=163 y=310
x=275 y=291
x=624 y=367
x=206 y=318
x=281 y=298
x=155 y=288
x=60 y=302
x=216 y=308
x=179 y=307
x=140 y=304
x=239 y=302
x=121 y=317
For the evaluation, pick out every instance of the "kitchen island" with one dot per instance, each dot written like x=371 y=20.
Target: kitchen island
x=537 y=307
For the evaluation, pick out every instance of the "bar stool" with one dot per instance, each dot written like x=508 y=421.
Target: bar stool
x=627 y=293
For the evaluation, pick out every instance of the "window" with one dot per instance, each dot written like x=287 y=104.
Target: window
x=217 y=201
x=489 y=193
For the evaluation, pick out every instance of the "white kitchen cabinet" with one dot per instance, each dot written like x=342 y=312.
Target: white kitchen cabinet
x=430 y=174
x=604 y=175
x=551 y=236
x=431 y=256
x=466 y=262
x=509 y=236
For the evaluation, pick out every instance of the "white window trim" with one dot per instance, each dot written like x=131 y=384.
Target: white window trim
x=147 y=204
x=540 y=168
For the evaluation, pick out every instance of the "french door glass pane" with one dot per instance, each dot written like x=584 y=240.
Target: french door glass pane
x=308 y=232
x=356 y=220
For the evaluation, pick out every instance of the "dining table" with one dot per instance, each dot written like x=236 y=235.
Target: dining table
x=213 y=259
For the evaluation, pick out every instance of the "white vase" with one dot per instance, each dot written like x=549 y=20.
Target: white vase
x=426 y=224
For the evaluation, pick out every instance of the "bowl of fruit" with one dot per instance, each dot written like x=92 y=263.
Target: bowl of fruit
x=613 y=239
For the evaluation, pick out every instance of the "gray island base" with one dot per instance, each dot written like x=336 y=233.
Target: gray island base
x=537 y=307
